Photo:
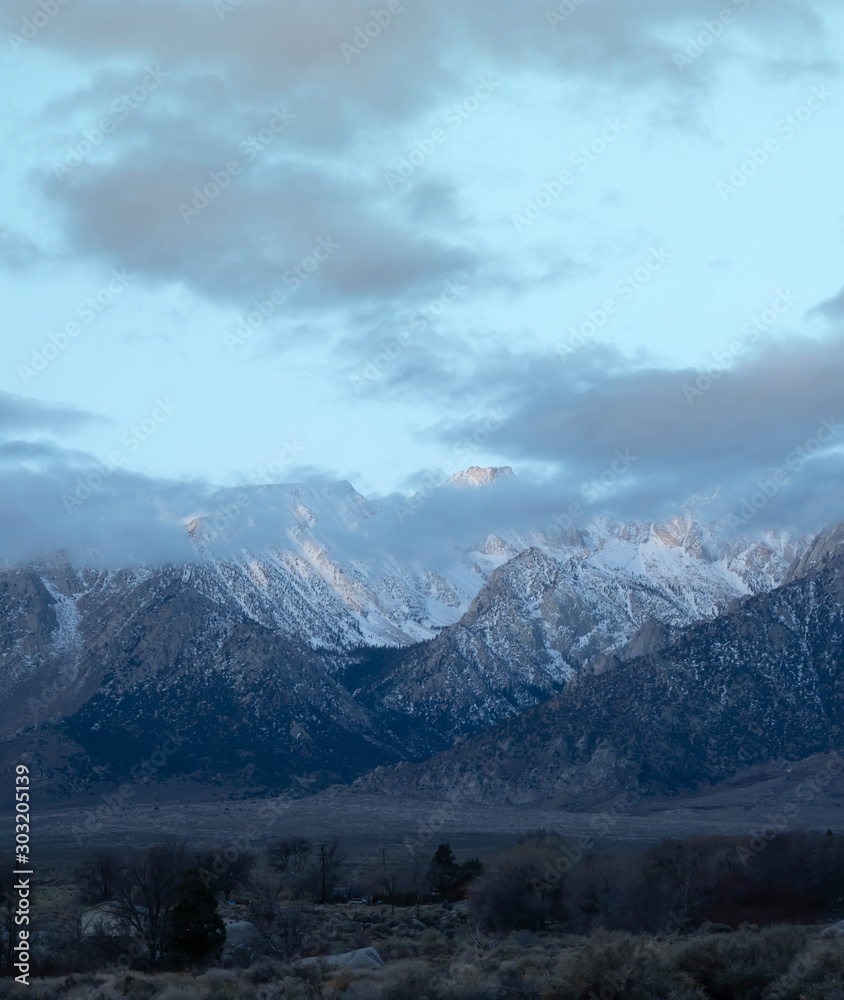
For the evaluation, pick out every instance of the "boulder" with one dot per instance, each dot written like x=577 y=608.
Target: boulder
x=361 y=959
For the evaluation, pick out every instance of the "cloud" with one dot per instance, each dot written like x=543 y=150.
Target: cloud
x=158 y=197
x=123 y=518
x=258 y=231
x=130 y=521
x=832 y=309
x=17 y=251
x=225 y=77
x=19 y=414
x=412 y=53
x=726 y=427
x=749 y=446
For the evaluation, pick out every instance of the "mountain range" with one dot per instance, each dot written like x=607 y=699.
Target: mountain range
x=297 y=650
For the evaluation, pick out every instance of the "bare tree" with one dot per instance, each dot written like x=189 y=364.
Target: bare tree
x=225 y=874
x=148 y=892
x=98 y=878
x=282 y=929
x=290 y=855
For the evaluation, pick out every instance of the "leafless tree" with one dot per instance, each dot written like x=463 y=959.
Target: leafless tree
x=290 y=855
x=98 y=878
x=148 y=892
x=224 y=873
x=282 y=929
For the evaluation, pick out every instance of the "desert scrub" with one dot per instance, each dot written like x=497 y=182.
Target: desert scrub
x=400 y=948
x=137 y=986
x=433 y=941
x=740 y=964
x=64 y=987
x=227 y=989
x=412 y=981
x=626 y=966
x=815 y=974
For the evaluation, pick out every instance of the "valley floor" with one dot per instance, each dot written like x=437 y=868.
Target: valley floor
x=743 y=807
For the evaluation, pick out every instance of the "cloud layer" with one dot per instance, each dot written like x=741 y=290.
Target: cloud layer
x=235 y=153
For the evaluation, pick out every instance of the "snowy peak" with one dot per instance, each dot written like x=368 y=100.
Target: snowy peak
x=476 y=476
x=827 y=544
x=316 y=561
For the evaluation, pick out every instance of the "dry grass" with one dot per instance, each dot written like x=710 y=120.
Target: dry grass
x=445 y=961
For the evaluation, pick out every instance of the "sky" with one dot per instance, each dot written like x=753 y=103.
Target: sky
x=599 y=242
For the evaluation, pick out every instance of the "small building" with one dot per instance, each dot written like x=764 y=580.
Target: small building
x=101 y=919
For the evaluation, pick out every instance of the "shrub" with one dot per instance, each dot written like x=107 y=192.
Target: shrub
x=740 y=964
x=621 y=965
x=815 y=974
x=524 y=886
x=342 y=981
x=413 y=981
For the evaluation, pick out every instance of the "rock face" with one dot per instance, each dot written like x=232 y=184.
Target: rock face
x=361 y=959
x=763 y=682
x=476 y=476
x=153 y=655
x=298 y=650
x=547 y=612
x=823 y=549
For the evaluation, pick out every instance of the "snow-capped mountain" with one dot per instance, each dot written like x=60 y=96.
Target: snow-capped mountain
x=477 y=476
x=309 y=562
x=276 y=633
x=758 y=686
x=547 y=612
x=314 y=562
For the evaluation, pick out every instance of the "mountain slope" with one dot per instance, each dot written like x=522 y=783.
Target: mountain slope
x=261 y=649
x=541 y=617
x=156 y=655
x=762 y=682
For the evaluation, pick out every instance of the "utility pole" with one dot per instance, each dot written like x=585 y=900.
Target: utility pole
x=322 y=858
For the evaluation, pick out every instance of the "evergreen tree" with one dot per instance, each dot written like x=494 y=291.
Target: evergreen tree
x=198 y=929
x=444 y=872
